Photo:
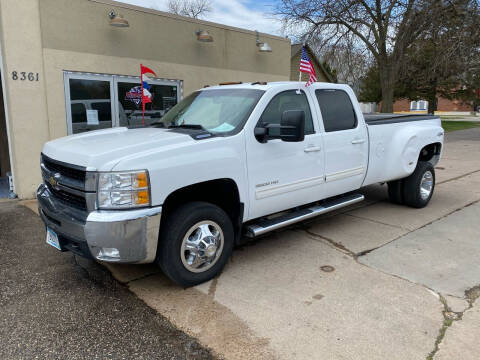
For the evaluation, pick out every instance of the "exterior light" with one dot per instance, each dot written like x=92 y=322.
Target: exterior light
x=117 y=20
x=203 y=36
x=262 y=46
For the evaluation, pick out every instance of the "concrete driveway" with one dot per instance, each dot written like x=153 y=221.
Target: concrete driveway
x=374 y=281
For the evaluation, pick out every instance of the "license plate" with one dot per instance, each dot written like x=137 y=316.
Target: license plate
x=52 y=239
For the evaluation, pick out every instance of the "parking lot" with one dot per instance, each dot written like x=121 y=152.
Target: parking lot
x=372 y=281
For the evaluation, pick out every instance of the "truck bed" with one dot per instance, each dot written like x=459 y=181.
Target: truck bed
x=380 y=119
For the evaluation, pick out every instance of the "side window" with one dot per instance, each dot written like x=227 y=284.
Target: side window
x=337 y=110
x=287 y=100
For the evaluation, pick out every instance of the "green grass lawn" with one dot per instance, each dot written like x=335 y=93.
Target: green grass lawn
x=459 y=125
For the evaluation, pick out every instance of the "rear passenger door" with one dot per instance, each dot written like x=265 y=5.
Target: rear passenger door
x=345 y=141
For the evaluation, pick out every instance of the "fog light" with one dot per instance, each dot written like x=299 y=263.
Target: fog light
x=108 y=253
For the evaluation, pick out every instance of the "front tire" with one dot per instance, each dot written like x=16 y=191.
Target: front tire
x=418 y=187
x=195 y=243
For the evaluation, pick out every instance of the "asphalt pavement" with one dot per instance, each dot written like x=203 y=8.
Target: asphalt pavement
x=58 y=306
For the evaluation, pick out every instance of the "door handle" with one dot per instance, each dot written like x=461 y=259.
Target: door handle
x=358 y=141
x=312 y=149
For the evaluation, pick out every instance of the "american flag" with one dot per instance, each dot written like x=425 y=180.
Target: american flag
x=306 y=66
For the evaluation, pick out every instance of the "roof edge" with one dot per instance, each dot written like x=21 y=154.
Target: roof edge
x=316 y=58
x=185 y=18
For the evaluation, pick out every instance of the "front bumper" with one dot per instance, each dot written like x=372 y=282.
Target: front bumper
x=123 y=236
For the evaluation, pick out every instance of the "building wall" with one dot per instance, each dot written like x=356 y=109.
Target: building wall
x=453 y=105
x=295 y=64
x=403 y=105
x=21 y=45
x=83 y=26
x=75 y=35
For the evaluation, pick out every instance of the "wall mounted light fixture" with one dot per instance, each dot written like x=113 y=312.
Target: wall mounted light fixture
x=262 y=46
x=117 y=20
x=203 y=36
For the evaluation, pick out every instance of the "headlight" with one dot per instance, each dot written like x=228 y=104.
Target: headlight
x=122 y=190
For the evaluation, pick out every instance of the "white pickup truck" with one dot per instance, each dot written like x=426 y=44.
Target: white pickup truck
x=226 y=164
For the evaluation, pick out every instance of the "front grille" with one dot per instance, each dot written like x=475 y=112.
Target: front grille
x=63 y=170
x=78 y=202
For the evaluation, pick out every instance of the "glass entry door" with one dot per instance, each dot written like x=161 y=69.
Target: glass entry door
x=96 y=101
x=165 y=95
x=89 y=103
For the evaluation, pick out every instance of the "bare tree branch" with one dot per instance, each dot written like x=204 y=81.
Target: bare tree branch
x=190 y=8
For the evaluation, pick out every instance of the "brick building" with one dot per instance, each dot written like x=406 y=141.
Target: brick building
x=444 y=105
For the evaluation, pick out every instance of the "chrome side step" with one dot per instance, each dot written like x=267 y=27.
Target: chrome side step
x=265 y=225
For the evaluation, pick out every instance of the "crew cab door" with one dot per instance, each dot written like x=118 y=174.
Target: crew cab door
x=345 y=140
x=282 y=175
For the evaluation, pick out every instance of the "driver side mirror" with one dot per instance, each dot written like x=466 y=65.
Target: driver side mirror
x=292 y=128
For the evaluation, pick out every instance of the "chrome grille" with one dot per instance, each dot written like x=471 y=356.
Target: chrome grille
x=76 y=201
x=68 y=183
x=64 y=170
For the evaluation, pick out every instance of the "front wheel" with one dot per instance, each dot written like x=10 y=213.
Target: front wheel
x=418 y=187
x=195 y=243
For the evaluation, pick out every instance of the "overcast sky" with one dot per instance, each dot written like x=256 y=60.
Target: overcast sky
x=247 y=14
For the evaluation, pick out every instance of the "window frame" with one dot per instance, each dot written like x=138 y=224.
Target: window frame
x=113 y=79
x=314 y=131
x=321 y=114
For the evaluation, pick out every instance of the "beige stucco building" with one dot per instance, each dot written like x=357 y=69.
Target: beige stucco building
x=65 y=70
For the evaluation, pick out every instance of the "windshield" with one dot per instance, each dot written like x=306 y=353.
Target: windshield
x=222 y=111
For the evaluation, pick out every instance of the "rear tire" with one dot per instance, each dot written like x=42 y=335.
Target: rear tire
x=195 y=243
x=395 y=191
x=418 y=187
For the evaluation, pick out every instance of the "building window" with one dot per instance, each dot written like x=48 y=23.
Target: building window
x=102 y=101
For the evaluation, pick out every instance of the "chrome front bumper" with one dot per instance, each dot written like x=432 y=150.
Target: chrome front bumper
x=121 y=236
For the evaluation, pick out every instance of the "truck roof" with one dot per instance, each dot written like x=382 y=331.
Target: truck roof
x=270 y=85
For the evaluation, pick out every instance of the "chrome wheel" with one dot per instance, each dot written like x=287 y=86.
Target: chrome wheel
x=202 y=246
x=426 y=185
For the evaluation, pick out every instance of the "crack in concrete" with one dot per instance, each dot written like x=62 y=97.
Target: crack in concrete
x=330 y=242
x=458 y=177
x=376 y=221
x=449 y=316
x=447 y=322
x=141 y=277
x=365 y=252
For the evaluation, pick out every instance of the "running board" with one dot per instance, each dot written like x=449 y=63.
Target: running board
x=265 y=225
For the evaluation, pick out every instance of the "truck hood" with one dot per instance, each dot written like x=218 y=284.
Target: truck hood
x=101 y=150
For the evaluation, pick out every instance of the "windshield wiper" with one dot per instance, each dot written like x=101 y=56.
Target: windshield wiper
x=189 y=126
x=160 y=124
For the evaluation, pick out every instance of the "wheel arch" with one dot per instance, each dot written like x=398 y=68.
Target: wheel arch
x=431 y=153
x=223 y=193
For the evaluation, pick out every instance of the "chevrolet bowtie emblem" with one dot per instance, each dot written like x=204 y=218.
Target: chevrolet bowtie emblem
x=52 y=181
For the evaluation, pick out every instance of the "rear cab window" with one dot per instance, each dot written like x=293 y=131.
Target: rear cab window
x=337 y=110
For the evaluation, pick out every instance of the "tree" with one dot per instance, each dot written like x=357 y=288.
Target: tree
x=191 y=8
x=332 y=73
x=445 y=61
x=349 y=63
x=384 y=28
x=370 y=90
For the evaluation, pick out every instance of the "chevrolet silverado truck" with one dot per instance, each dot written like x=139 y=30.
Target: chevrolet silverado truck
x=226 y=164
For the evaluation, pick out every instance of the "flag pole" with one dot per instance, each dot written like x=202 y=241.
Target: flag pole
x=141 y=96
x=299 y=72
